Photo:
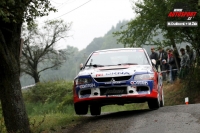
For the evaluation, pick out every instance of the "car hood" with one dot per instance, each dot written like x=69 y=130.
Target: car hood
x=115 y=71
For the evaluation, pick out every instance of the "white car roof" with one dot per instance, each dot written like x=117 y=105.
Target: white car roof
x=118 y=49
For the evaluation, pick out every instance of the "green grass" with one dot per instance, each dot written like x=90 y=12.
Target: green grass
x=53 y=121
x=48 y=108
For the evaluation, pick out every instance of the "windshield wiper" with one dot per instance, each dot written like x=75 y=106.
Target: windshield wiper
x=128 y=64
x=95 y=65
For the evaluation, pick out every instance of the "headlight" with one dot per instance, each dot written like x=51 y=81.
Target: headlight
x=144 y=77
x=80 y=81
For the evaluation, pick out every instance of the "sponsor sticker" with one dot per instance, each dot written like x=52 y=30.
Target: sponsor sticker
x=118 y=73
x=87 y=86
x=139 y=82
x=140 y=50
x=99 y=75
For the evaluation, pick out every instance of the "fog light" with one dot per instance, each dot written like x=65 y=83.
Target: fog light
x=131 y=91
x=96 y=93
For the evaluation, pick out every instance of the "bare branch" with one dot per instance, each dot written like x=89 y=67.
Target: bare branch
x=48 y=68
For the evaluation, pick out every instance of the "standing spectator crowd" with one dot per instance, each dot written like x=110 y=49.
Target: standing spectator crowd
x=169 y=62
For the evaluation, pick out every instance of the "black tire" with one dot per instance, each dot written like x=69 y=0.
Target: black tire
x=154 y=104
x=95 y=109
x=81 y=109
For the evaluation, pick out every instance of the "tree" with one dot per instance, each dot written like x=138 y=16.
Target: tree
x=152 y=16
x=39 y=53
x=12 y=15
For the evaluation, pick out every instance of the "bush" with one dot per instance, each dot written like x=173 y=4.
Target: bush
x=49 y=92
x=49 y=97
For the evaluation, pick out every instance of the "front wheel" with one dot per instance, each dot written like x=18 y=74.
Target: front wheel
x=95 y=109
x=154 y=103
x=81 y=109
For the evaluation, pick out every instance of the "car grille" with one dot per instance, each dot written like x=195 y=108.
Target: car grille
x=108 y=79
x=113 y=90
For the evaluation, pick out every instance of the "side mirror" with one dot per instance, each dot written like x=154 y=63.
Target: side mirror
x=81 y=66
x=153 y=62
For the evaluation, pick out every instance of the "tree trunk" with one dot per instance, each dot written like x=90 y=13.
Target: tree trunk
x=174 y=47
x=36 y=77
x=14 y=112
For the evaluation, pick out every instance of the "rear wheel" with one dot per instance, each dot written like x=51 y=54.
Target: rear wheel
x=81 y=109
x=95 y=109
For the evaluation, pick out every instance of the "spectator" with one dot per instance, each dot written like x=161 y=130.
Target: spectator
x=154 y=56
x=178 y=58
x=169 y=54
x=190 y=52
x=162 y=56
x=165 y=68
x=184 y=64
x=174 y=68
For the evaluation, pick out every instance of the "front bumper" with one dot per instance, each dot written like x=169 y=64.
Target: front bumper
x=120 y=99
x=114 y=95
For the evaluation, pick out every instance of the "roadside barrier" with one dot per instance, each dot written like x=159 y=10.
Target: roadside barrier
x=26 y=87
x=168 y=70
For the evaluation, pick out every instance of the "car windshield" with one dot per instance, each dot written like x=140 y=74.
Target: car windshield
x=118 y=57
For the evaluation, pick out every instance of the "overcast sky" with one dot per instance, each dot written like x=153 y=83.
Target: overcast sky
x=93 y=19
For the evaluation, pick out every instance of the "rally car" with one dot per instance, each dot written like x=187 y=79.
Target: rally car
x=117 y=76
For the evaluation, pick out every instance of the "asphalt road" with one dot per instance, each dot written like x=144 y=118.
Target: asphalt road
x=169 y=119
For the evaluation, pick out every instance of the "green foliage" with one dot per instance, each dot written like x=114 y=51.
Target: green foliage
x=49 y=92
x=53 y=122
x=152 y=16
x=150 y=22
x=16 y=11
x=49 y=97
x=2 y=125
x=50 y=106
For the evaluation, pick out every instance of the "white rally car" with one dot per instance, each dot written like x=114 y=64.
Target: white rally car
x=117 y=76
